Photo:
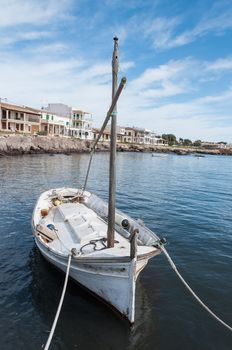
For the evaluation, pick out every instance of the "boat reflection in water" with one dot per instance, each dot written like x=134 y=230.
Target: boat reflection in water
x=85 y=323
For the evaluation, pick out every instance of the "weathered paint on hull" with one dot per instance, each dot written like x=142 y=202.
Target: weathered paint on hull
x=115 y=283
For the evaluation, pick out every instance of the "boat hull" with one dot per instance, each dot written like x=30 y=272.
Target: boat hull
x=114 y=282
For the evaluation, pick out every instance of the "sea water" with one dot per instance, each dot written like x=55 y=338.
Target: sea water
x=186 y=199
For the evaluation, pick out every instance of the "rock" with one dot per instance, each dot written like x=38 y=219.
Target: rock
x=21 y=144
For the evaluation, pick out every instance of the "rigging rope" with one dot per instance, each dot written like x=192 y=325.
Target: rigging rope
x=109 y=114
x=60 y=304
x=190 y=289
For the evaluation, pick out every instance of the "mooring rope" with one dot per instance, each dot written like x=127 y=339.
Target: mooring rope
x=60 y=304
x=190 y=289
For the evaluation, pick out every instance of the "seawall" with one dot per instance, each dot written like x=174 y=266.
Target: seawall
x=23 y=144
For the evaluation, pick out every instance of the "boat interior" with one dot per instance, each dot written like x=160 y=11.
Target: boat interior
x=69 y=223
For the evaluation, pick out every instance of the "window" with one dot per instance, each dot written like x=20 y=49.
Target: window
x=3 y=114
x=47 y=117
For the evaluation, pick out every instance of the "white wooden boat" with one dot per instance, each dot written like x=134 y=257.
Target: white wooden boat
x=109 y=249
x=63 y=220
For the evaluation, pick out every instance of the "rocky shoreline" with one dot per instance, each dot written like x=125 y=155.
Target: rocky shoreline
x=23 y=144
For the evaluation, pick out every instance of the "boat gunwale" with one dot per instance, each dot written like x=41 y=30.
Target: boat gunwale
x=97 y=259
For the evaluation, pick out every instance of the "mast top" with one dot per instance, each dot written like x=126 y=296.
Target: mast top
x=115 y=66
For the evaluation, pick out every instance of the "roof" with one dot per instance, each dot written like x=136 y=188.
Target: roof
x=79 y=111
x=106 y=132
x=23 y=109
x=134 y=129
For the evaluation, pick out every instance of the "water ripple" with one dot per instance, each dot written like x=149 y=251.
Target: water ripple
x=186 y=199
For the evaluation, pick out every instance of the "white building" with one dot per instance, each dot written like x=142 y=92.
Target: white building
x=81 y=124
x=52 y=124
x=78 y=123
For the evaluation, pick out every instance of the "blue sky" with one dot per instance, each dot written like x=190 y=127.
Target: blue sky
x=176 y=55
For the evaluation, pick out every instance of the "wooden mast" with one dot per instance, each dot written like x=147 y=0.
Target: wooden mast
x=113 y=142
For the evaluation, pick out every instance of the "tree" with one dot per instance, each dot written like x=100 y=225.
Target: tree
x=187 y=142
x=170 y=138
x=197 y=143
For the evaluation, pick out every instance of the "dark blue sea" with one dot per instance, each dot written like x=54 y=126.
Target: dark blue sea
x=184 y=198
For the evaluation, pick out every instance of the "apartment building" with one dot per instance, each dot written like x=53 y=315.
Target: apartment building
x=21 y=119
x=131 y=135
x=81 y=124
x=77 y=123
x=106 y=134
x=142 y=136
x=52 y=124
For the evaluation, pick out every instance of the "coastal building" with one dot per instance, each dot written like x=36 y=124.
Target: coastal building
x=131 y=135
x=137 y=135
x=58 y=119
x=158 y=140
x=105 y=136
x=213 y=145
x=19 y=119
x=76 y=123
x=106 y=133
x=54 y=125
x=81 y=124
x=59 y=109
x=142 y=136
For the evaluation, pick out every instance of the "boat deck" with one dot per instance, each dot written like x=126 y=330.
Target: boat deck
x=78 y=226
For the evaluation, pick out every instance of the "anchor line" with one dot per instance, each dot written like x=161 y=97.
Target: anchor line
x=190 y=289
x=60 y=303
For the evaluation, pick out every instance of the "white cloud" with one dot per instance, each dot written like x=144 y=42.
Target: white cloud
x=150 y=100
x=53 y=48
x=203 y=118
x=33 y=12
x=163 y=30
x=216 y=25
x=221 y=64
x=170 y=79
x=37 y=81
x=12 y=37
x=146 y=101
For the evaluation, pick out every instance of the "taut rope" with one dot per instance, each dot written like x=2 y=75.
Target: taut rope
x=190 y=289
